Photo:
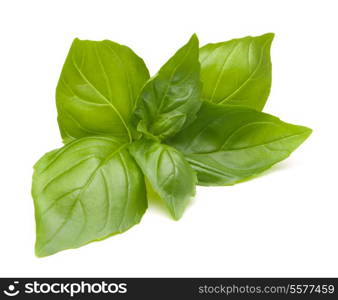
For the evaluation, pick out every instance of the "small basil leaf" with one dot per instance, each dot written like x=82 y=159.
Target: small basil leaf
x=88 y=190
x=228 y=144
x=98 y=90
x=170 y=100
x=169 y=174
x=237 y=72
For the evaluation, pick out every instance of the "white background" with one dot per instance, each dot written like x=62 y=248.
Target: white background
x=283 y=223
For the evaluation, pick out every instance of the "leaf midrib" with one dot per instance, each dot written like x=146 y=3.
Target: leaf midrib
x=253 y=146
x=78 y=198
x=104 y=98
x=172 y=75
x=224 y=100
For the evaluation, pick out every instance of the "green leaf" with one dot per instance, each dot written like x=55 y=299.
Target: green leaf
x=86 y=191
x=237 y=72
x=170 y=100
x=98 y=89
x=169 y=174
x=228 y=144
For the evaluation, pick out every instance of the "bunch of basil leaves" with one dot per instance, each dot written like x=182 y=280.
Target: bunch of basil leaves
x=197 y=121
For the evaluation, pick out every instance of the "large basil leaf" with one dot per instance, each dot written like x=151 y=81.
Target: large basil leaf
x=98 y=90
x=169 y=174
x=171 y=98
x=228 y=144
x=237 y=72
x=86 y=191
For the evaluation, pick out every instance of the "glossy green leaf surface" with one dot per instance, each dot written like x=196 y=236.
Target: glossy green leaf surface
x=170 y=100
x=130 y=139
x=98 y=89
x=228 y=144
x=169 y=174
x=237 y=72
x=88 y=190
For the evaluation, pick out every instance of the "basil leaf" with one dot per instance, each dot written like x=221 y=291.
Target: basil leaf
x=98 y=90
x=170 y=99
x=86 y=191
x=237 y=72
x=228 y=144
x=169 y=174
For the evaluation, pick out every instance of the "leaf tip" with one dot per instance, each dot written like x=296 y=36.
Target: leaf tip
x=307 y=132
x=76 y=40
x=268 y=36
x=175 y=215
x=194 y=36
x=39 y=253
x=194 y=39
